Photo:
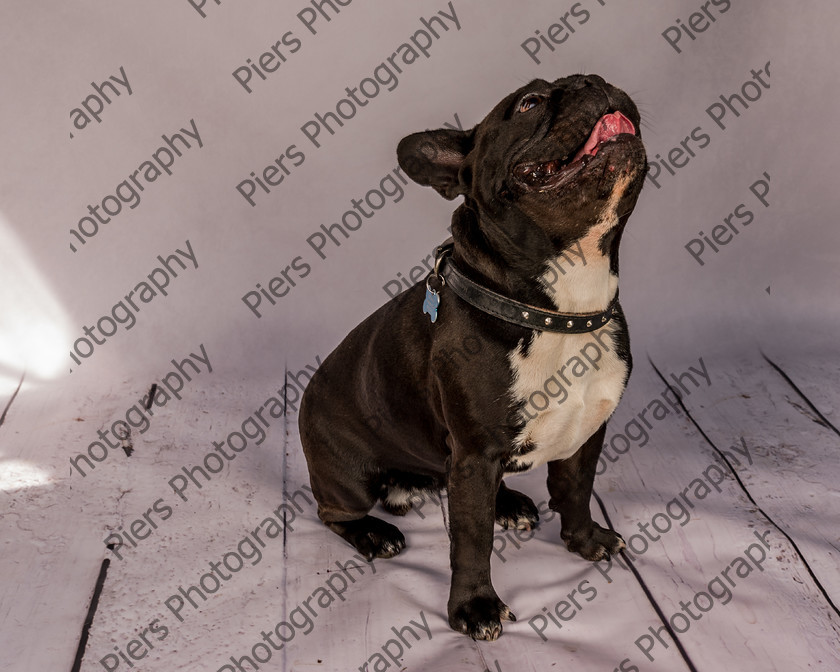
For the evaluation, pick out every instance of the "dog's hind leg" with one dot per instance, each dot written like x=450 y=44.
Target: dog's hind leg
x=396 y=500
x=343 y=506
x=400 y=488
x=346 y=492
x=371 y=536
x=515 y=510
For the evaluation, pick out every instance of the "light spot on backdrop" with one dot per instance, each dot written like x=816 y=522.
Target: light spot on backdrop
x=34 y=327
x=17 y=474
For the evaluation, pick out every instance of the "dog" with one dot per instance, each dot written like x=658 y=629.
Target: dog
x=555 y=167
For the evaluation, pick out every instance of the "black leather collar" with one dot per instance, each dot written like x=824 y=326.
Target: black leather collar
x=447 y=274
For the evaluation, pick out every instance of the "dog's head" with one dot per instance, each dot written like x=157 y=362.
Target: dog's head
x=550 y=162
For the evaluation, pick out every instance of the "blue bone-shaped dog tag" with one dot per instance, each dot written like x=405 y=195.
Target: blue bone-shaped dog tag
x=431 y=303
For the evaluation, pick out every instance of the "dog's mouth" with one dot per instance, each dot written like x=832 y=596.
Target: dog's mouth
x=547 y=174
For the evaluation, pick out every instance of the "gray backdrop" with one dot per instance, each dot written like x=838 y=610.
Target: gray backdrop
x=62 y=155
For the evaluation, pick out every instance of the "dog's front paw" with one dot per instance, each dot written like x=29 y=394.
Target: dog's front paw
x=597 y=543
x=515 y=510
x=480 y=616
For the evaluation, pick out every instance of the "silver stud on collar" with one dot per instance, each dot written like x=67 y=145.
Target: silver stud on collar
x=525 y=314
x=548 y=320
x=589 y=323
x=603 y=319
x=570 y=324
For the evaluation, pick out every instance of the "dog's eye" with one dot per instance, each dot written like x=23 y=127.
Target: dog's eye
x=529 y=101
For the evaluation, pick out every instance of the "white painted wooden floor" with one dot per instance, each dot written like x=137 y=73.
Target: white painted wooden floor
x=729 y=504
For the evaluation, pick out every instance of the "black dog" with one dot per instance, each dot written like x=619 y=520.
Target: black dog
x=555 y=168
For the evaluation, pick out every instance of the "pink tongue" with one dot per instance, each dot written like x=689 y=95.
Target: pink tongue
x=607 y=126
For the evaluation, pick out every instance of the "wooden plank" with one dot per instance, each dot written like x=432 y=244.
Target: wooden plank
x=776 y=618
x=796 y=461
x=530 y=571
x=815 y=377
x=50 y=530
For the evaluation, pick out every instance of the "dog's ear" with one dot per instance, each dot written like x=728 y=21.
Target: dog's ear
x=434 y=159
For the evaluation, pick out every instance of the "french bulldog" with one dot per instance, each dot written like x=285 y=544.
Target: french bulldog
x=397 y=408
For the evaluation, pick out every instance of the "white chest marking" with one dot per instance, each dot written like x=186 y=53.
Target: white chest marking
x=570 y=384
